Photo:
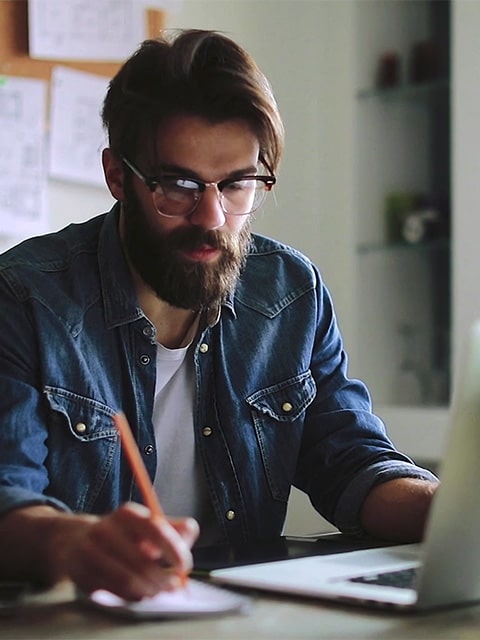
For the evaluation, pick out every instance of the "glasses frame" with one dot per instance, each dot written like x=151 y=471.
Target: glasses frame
x=152 y=182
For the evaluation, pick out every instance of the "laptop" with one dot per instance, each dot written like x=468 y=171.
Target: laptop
x=443 y=570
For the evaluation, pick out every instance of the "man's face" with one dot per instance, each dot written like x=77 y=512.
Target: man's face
x=191 y=262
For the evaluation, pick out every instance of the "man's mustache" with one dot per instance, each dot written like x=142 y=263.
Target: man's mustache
x=195 y=238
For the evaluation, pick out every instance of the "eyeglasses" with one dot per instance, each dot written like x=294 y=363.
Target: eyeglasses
x=177 y=196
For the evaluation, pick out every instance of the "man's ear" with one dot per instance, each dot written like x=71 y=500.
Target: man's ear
x=114 y=174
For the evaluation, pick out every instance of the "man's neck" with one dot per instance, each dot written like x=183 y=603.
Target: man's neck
x=175 y=327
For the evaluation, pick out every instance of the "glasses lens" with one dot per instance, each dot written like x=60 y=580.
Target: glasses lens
x=240 y=197
x=176 y=196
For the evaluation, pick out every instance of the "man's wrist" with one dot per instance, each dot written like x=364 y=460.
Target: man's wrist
x=398 y=509
x=63 y=531
x=40 y=539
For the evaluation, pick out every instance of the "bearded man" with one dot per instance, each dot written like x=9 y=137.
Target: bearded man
x=220 y=346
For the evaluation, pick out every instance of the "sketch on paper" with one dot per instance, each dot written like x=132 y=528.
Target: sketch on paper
x=22 y=157
x=76 y=133
x=104 y=30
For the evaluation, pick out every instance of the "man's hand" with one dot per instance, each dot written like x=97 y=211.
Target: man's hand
x=127 y=552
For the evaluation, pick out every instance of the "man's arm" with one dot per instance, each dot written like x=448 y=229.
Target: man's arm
x=127 y=552
x=398 y=509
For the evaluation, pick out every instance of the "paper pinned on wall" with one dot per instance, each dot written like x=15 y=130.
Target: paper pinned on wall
x=23 y=183
x=76 y=133
x=104 y=30
x=86 y=30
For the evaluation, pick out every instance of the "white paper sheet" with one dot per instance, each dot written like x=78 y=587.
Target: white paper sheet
x=103 y=30
x=195 y=599
x=22 y=157
x=76 y=133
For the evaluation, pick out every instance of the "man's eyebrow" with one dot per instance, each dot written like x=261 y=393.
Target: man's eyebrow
x=177 y=170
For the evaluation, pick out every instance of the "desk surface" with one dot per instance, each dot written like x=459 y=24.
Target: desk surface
x=55 y=614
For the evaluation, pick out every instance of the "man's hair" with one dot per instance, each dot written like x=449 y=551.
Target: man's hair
x=192 y=72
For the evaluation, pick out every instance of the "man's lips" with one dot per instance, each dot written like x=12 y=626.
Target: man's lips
x=204 y=253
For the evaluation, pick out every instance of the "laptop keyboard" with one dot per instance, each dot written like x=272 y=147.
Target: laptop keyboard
x=402 y=579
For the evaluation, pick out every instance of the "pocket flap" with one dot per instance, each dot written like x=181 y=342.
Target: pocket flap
x=87 y=419
x=286 y=400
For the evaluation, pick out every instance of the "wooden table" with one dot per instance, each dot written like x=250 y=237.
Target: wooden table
x=55 y=614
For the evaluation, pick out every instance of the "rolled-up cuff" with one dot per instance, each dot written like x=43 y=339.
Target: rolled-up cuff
x=347 y=513
x=17 y=497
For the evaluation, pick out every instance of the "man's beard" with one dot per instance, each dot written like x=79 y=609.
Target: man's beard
x=183 y=283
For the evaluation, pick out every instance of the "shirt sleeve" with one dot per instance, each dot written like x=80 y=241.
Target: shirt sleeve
x=23 y=433
x=347 y=513
x=345 y=447
x=17 y=497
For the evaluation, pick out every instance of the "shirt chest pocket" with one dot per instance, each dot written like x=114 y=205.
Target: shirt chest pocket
x=83 y=444
x=278 y=415
x=85 y=418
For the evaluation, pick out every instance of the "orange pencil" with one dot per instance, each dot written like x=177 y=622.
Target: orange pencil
x=137 y=465
x=139 y=471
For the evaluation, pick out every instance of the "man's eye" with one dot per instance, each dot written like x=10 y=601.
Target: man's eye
x=239 y=185
x=173 y=182
x=184 y=183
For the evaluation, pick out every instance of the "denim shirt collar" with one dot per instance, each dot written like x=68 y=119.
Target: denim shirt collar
x=118 y=290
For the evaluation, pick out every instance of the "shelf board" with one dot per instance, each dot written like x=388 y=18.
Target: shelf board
x=438 y=244
x=406 y=91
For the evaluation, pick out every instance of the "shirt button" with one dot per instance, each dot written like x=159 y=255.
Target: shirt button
x=81 y=427
x=144 y=359
x=287 y=407
x=230 y=515
x=207 y=431
x=148 y=449
x=148 y=331
x=203 y=347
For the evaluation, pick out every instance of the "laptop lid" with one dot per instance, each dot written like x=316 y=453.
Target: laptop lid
x=451 y=566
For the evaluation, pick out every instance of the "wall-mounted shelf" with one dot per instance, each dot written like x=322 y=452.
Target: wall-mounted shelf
x=408 y=92
x=437 y=244
x=403 y=298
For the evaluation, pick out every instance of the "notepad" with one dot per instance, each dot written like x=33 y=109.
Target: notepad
x=195 y=599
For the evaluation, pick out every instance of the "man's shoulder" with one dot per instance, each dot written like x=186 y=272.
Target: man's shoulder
x=51 y=267
x=275 y=276
x=264 y=246
x=279 y=259
x=53 y=251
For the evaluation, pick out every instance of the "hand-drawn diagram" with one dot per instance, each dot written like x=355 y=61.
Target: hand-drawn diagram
x=22 y=156
x=76 y=134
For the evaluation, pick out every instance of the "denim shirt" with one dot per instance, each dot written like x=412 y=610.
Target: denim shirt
x=274 y=406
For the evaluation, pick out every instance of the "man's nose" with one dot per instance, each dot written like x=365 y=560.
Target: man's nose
x=209 y=213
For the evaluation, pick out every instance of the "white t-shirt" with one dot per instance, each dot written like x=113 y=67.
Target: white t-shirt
x=180 y=481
